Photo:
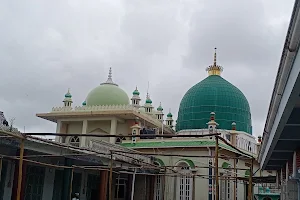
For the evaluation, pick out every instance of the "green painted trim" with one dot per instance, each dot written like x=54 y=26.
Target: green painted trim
x=159 y=161
x=225 y=165
x=189 y=162
x=247 y=173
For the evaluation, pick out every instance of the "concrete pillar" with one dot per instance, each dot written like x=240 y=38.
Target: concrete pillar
x=67 y=175
x=58 y=128
x=84 y=130
x=113 y=130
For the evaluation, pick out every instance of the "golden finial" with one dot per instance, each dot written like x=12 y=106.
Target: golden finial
x=214 y=69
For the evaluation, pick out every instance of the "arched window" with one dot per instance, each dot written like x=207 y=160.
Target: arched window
x=184 y=182
x=75 y=141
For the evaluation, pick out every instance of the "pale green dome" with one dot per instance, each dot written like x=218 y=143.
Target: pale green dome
x=107 y=93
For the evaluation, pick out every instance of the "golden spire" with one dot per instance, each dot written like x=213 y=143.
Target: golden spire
x=214 y=69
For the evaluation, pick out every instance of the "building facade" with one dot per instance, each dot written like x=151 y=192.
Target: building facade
x=211 y=106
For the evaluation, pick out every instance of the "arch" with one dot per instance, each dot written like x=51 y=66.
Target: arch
x=226 y=165
x=188 y=162
x=74 y=141
x=159 y=162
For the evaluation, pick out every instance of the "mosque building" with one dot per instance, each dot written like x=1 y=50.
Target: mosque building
x=213 y=105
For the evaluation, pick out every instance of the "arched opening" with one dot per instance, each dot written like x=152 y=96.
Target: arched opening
x=158 y=187
x=184 y=181
x=75 y=141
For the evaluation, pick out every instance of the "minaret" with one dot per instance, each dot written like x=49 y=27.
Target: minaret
x=148 y=104
x=169 y=120
x=212 y=124
x=159 y=113
x=68 y=99
x=214 y=69
x=135 y=100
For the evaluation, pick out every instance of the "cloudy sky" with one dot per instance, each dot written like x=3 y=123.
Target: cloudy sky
x=47 y=47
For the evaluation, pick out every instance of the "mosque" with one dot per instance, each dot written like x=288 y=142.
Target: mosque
x=213 y=105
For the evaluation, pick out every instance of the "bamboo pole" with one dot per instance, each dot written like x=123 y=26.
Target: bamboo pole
x=235 y=179
x=217 y=167
x=111 y=177
x=20 y=170
x=250 y=195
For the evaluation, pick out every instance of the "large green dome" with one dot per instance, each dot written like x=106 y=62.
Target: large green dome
x=108 y=93
x=214 y=94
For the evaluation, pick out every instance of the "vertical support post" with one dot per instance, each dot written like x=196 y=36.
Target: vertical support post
x=83 y=131
x=110 y=176
x=250 y=195
x=71 y=184
x=235 y=179
x=164 y=184
x=20 y=170
x=1 y=162
x=217 y=167
x=133 y=183
x=194 y=188
x=118 y=186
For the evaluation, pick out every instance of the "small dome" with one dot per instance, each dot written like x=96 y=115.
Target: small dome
x=136 y=92
x=68 y=94
x=107 y=93
x=169 y=115
x=84 y=103
x=159 y=108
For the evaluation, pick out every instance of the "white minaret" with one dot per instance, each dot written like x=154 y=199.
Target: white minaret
x=148 y=104
x=68 y=99
x=135 y=100
x=159 y=113
x=169 y=120
x=212 y=124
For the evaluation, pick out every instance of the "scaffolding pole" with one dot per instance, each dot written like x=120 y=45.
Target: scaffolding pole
x=216 y=167
x=250 y=195
x=235 y=179
x=20 y=169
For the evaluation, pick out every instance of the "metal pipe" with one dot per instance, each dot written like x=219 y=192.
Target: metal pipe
x=217 y=167
x=133 y=184
x=20 y=170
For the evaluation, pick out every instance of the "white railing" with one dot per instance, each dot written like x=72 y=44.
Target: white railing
x=150 y=117
x=203 y=132
x=122 y=153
